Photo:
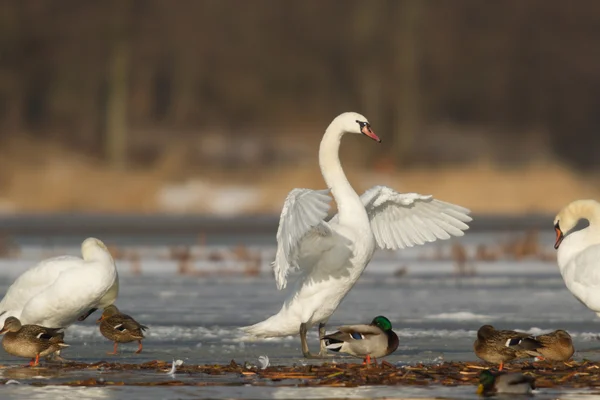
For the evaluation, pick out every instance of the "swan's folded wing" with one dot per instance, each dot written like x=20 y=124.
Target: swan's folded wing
x=36 y=280
x=400 y=220
x=302 y=230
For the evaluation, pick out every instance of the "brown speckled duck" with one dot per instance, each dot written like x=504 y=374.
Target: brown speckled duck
x=556 y=346
x=31 y=341
x=499 y=347
x=120 y=328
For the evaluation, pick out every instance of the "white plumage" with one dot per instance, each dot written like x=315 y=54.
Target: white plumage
x=331 y=255
x=59 y=290
x=578 y=253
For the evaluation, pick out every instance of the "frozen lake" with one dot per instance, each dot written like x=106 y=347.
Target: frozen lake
x=435 y=313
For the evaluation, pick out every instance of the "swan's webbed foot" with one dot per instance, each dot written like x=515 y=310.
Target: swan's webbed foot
x=87 y=314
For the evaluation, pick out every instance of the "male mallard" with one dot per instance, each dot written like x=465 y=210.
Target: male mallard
x=500 y=346
x=502 y=382
x=31 y=341
x=556 y=346
x=375 y=340
x=120 y=328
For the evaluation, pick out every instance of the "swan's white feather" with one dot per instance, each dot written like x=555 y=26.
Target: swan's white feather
x=34 y=281
x=302 y=230
x=57 y=291
x=331 y=256
x=400 y=220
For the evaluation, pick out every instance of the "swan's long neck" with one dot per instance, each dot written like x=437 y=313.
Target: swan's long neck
x=350 y=208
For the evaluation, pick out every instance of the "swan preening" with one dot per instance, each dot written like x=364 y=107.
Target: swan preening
x=60 y=290
x=331 y=255
x=578 y=253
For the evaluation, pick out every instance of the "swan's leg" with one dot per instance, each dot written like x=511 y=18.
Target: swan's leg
x=139 y=350
x=323 y=349
x=114 y=349
x=305 y=350
x=87 y=314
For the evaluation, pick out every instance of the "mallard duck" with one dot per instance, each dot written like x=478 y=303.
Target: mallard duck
x=556 y=346
x=502 y=382
x=120 y=328
x=499 y=347
x=31 y=341
x=375 y=340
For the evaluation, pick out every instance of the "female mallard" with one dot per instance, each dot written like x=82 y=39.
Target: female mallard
x=556 y=346
x=499 y=347
x=120 y=328
x=31 y=341
x=375 y=340
x=513 y=383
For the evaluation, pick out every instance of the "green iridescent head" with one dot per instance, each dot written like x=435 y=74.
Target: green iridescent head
x=382 y=323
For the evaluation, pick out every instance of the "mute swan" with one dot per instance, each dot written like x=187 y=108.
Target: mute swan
x=59 y=290
x=578 y=253
x=332 y=255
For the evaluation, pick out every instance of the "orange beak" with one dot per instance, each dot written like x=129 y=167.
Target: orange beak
x=3 y=331
x=366 y=130
x=100 y=319
x=559 y=236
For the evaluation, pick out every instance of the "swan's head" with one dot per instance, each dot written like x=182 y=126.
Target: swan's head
x=11 y=324
x=108 y=312
x=351 y=122
x=569 y=216
x=93 y=248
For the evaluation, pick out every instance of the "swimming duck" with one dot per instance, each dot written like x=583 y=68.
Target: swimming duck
x=120 y=328
x=556 y=346
x=30 y=341
x=499 y=347
x=374 y=340
x=502 y=382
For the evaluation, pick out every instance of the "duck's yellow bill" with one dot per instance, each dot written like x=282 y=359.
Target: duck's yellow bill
x=480 y=389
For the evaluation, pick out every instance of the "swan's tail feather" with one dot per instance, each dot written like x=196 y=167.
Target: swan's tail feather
x=275 y=326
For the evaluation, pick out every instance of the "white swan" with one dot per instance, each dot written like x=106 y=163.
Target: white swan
x=60 y=290
x=332 y=255
x=578 y=253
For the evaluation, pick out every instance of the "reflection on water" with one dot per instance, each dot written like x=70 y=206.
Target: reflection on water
x=59 y=392
x=250 y=392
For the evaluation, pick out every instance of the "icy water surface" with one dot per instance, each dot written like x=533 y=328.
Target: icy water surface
x=435 y=314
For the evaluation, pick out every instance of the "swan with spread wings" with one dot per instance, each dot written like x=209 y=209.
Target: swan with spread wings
x=331 y=255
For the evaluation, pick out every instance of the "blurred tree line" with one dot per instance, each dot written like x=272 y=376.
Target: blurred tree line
x=83 y=72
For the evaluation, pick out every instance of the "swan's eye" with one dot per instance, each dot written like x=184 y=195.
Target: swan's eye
x=362 y=124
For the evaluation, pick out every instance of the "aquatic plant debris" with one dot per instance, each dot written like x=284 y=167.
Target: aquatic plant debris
x=583 y=374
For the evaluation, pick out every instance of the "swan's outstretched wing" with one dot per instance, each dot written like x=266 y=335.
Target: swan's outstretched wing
x=302 y=230
x=400 y=220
